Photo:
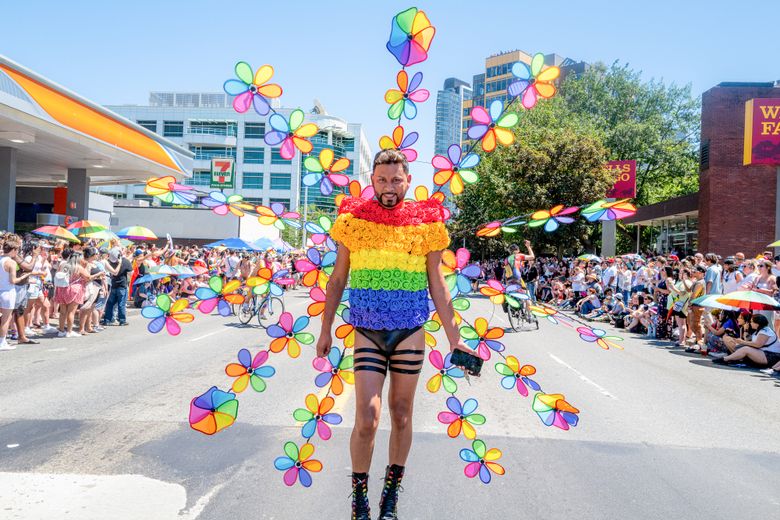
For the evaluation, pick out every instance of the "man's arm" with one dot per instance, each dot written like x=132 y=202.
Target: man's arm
x=440 y=294
x=334 y=291
x=530 y=254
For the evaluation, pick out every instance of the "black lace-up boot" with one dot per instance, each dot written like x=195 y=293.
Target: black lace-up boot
x=360 y=507
x=388 y=505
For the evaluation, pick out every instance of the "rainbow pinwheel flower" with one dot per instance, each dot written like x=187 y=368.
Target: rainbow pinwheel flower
x=455 y=169
x=498 y=294
x=165 y=313
x=277 y=216
x=551 y=219
x=429 y=327
x=336 y=370
x=213 y=411
x=481 y=461
x=317 y=306
x=266 y=280
x=605 y=210
x=319 y=232
x=402 y=101
x=516 y=376
x=316 y=417
x=400 y=142
x=297 y=464
x=251 y=89
x=222 y=204
x=458 y=273
x=533 y=82
x=447 y=372
x=411 y=34
x=492 y=229
x=492 y=127
x=482 y=338
x=461 y=417
x=354 y=189
x=220 y=295
x=553 y=410
x=250 y=371
x=291 y=134
x=599 y=337
x=316 y=267
x=346 y=332
x=544 y=312
x=325 y=171
x=168 y=190
x=289 y=334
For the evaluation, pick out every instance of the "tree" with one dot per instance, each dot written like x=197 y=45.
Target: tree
x=294 y=236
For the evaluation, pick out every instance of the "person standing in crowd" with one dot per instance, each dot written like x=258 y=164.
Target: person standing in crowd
x=750 y=274
x=712 y=277
x=9 y=279
x=609 y=277
x=732 y=277
x=91 y=290
x=696 y=312
x=681 y=295
x=530 y=276
x=119 y=267
x=72 y=296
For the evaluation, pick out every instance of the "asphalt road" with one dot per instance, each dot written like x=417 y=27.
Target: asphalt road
x=96 y=428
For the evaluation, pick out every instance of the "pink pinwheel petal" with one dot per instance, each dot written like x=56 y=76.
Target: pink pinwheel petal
x=304 y=266
x=242 y=102
x=418 y=96
x=287 y=150
x=462 y=257
x=436 y=359
x=322 y=364
x=323 y=430
x=483 y=352
x=206 y=306
x=441 y=163
x=286 y=321
x=480 y=115
x=260 y=358
x=472 y=469
x=447 y=417
x=291 y=476
x=529 y=97
x=172 y=326
x=220 y=210
x=521 y=388
x=568 y=211
x=338 y=179
x=410 y=154
x=495 y=284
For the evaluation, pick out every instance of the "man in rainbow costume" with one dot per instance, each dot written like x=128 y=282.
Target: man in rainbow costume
x=390 y=249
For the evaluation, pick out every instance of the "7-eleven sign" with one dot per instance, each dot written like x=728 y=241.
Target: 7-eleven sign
x=222 y=173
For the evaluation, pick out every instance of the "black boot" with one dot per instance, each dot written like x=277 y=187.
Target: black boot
x=388 y=505
x=360 y=508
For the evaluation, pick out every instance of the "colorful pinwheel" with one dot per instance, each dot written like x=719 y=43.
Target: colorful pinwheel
x=325 y=171
x=220 y=295
x=516 y=376
x=482 y=338
x=533 y=82
x=461 y=417
x=290 y=134
x=411 y=34
x=553 y=410
x=346 y=331
x=354 y=189
x=544 y=312
x=429 y=327
x=250 y=371
x=297 y=464
x=447 y=372
x=168 y=190
x=551 y=219
x=336 y=370
x=605 y=210
x=481 y=461
x=288 y=334
x=266 y=280
x=222 y=204
x=403 y=100
x=316 y=267
x=400 y=142
x=458 y=273
x=213 y=411
x=277 y=216
x=320 y=230
x=455 y=169
x=316 y=417
x=499 y=294
x=599 y=337
x=165 y=313
x=492 y=229
x=492 y=127
x=251 y=89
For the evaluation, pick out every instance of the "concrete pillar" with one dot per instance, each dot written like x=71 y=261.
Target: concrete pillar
x=78 y=193
x=608 y=238
x=7 y=188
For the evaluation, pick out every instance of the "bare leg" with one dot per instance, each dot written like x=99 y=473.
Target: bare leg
x=368 y=406
x=5 y=321
x=401 y=395
x=753 y=354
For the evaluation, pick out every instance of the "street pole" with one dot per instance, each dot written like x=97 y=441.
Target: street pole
x=608 y=239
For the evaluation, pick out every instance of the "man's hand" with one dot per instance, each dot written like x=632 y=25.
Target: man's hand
x=527 y=243
x=324 y=343
x=460 y=345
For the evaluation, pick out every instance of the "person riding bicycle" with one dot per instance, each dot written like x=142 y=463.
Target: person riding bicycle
x=516 y=259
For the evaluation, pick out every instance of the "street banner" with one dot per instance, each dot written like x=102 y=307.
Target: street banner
x=762 y=131
x=625 y=179
x=222 y=174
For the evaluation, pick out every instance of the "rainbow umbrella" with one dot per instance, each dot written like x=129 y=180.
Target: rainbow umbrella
x=56 y=232
x=776 y=243
x=137 y=233
x=711 y=300
x=100 y=234
x=85 y=224
x=749 y=300
x=589 y=258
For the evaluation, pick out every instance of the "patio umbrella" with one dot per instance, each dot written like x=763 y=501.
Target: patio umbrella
x=749 y=300
x=150 y=278
x=167 y=270
x=136 y=233
x=85 y=224
x=100 y=234
x=56 y=232
x=589 y=257
x=776 y=243
x=711 y=301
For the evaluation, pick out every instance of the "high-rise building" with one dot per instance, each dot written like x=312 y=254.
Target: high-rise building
x=449 y=113
x=207 y=124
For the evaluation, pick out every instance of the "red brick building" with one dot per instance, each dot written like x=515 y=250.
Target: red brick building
x=736 y=204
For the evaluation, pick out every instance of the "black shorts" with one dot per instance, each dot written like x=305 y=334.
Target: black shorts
x=772 y=358
x=386 y=356
x=679 y=314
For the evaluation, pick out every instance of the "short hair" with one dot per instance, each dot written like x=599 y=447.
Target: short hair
x=11 y=242
x=711 y=258
x=391 y=157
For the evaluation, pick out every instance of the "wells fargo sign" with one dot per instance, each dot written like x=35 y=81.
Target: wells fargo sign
x=762 y=131
x=625 y=179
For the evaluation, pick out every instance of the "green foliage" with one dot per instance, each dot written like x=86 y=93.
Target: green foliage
x=293 y=236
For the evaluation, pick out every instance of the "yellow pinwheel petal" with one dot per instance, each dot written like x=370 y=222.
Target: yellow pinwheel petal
x=385 y=143
x=434 y=384
x=307 y=450
x=549 y=74
x=504 y=136
x=326 y=158
x=272 y=90
x=263 y=74
x=340 y=165
x=545 y=90
x=420 y=22
x=493 y=454
x=541 y=214
x=179 y=305
x=468 y=430
x=231 y=286
x=240 y=384
x=307 y=130
x=457 y=186
x=480 y=325
x=312 y=403
x=512 y=363
x=393 y=96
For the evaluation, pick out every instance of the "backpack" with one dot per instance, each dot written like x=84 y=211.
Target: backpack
x=62 y=276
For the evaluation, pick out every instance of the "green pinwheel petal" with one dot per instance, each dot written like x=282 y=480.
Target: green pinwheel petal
x=260 y=290
x=229 y=407
x=258 y=383
x=468 y=333
x=347 y=363
x=432 y=325
x=325 y=223
x=449 y=384
x=469 y=176
x=296 y=119
x=461 y=304
x=215 y=282
x=511 y=301
x=244 y=72
x=234 y=198
x=396 y=109
x=478 y=446
x=405 y=19
x=291 y=450
x=329 y=270
x=451 y=280
x=312 y=164
x=278 y=224
x=163 y=302
x=506 y=121
x=537 y=223
x=341 y=308
x=476 y=418
x=536 y=64
x=302 y=414
x=305 y=338
x=504 y=370
x=507 y=229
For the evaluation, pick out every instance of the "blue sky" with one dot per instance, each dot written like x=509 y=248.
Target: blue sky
x=116 y=52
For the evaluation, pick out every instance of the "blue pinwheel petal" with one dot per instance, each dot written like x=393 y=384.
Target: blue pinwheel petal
x=547 y=417
x=309 y=428
x=463 y=284
x=275 y=331
x=261 y=104
x=276 y=290
x=521 y=71
x=589 y=339
x=477 y=131
x=468 y=455
x=470 y=161
x=323 y=379
x=274 y=138
x=205 y=293
x=312 y=227
x=410 y=139
x=300 y=324
x=328 y=259
x=410 y=109
x=334 y=357
x=314 y=256
x=415 y=82
x=204 y=401
x=570 y=418
x=533 y=384
x=304 y=477
x=156 y=325
x=283 y=463
x=151 y=312
x=470 y=406
x=280 y=274
x=224 y=308
x=516 y=88
x=495 y=345
x=508 y=382
x=332 y=418
x=326 y=186
x=311 y=179
x=471 y=271
x=218 y=397
x=496 y=108
x=484 y=474
x=279 y=123
x=244 y=357
x=455 y=372
x=265 y=371
x=551 y=225
x=454 y=405
x=472 y=343
x=234 y=87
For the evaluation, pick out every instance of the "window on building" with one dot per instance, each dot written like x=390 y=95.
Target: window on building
x=281 y=181
x=254 y=130
x=173 y=128
x=212 y=152
x=254 y=155
x=150 y=125
x=349 y=144
x=226 y=128
x=286 y=202
x=199 y=178
x=253 y=200
x=252 y=181
x=276 y=158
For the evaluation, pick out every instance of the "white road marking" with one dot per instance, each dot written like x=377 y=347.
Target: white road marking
x=198 y=507
x=207 y=335
x=58 y=349
x=11 y=445
x=600 y=388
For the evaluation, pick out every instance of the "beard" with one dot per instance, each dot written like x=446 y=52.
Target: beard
x=388 y=200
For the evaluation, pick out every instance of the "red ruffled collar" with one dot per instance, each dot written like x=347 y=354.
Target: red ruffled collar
x=407 y=213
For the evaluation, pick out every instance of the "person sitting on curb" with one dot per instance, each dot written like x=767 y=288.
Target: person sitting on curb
x=762 y=350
